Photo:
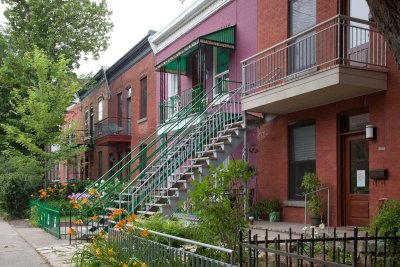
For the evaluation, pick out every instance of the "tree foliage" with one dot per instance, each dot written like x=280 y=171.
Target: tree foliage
x=219 y=200
x=41 y=111
x=386 y=13
x=58 y=27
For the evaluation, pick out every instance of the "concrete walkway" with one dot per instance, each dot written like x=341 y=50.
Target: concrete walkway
x=24 y=245
x=281 y=229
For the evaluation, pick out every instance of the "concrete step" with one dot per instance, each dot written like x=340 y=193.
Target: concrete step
x=146 y=212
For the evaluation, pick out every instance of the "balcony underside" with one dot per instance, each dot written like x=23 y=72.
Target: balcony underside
x=113 y=139
x=316 y=89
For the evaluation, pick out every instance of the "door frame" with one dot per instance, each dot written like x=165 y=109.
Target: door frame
x=342 y=133
x=347 y=196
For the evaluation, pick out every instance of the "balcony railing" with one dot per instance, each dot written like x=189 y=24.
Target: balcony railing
x=193 y=99
x=340 y=40
x=169 y=108
x=113 y=126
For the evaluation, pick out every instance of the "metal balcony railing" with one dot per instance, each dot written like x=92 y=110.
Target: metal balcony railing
x=194 y=98
x=112 y=126
x=340 y=40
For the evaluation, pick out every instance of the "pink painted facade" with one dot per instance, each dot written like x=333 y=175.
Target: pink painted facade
x=242 y=14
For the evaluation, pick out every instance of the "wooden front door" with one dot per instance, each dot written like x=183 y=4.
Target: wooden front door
x=356 y=180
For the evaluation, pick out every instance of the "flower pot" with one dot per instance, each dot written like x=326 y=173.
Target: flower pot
x=315 y=219
x=274 y=216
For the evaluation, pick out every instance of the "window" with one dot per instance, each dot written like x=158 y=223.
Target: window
x=86 y=124
x=119 y=114
x=301 y=156
x=128 y=110
x=91 y=122
x=173 y=98
x=100 y=110
x=221 y=69
x=143 y=98
x=302 y=16
x=100 y=154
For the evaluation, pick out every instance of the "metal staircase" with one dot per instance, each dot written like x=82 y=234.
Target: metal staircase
x=204 y=132
x=209 y=139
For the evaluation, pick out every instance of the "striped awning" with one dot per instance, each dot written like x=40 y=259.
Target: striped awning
x=222 y=38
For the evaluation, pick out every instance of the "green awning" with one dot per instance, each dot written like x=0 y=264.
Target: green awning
x=222 y=38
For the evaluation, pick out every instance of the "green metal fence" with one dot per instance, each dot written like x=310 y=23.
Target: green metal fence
x=48 y=217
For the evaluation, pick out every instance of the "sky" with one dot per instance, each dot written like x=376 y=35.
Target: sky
x=132 y=20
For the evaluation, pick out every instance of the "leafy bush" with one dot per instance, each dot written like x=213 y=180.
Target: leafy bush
x=102 y=252
x=15 y=192
x=388 y=218
x=219 y=201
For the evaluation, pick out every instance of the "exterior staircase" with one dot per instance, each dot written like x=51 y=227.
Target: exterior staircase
x=166 y=181
x=195 y=139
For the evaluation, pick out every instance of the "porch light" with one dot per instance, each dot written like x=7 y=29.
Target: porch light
x=370 y=132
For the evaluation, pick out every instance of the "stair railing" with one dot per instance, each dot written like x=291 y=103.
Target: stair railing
x=109 y=177
x=222 y=110
x=176 y=127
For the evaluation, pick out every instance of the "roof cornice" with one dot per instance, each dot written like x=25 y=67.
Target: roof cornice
x=136 y=53
x=186 y=21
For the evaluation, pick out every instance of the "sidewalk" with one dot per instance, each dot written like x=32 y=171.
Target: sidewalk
x=25 y=245
x=281 y=230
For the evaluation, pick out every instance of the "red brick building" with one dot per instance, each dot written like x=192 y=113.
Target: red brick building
x=116 y=114
x=323 y=75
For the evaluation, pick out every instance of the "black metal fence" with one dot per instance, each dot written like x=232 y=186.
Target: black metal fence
x=328 y=249
x=80 y=226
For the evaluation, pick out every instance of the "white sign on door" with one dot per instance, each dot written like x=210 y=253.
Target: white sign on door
x=360 y=178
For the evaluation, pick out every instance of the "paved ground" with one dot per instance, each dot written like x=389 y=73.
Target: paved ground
x=24 y=245
x=281 y=229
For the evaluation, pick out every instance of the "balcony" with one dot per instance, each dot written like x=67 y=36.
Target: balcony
x=338 y=59
x=112 y=130
x=182 y=107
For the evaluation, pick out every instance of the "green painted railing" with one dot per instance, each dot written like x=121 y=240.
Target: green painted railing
x=137 y=155
x=176 y=153
x=156 y=143
x=176 y=104
x=48 y=217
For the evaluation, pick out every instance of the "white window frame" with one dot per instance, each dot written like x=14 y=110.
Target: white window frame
x=172 y=94
x=100 y=110
x=224 y=75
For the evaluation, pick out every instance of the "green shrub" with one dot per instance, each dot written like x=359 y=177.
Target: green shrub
x=15 y=192
x=34 y=216
x=388 y=218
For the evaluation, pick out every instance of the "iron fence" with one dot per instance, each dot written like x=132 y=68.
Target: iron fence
x=155 y=253
x=76 y=225
x=320 y=250
x=48 y=218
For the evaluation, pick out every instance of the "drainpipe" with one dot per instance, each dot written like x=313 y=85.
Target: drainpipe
x=245 y=155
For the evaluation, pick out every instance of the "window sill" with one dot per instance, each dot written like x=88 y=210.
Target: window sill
x=142 y=120
x=294 y=203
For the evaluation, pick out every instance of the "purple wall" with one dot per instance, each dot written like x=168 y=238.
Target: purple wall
x=243 y=14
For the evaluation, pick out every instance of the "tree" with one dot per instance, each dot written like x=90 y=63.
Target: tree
x=41 y=111
x=386 y=13
x=59 y=27
x=219 y=198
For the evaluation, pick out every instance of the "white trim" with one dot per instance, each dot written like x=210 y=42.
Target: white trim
x=183 y=23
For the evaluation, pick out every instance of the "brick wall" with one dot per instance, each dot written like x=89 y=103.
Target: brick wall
x=272 y=136
x=141 y=128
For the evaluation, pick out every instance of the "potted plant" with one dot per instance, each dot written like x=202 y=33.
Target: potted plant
x=311 y=184
x=274 y=210
x=261 y=209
